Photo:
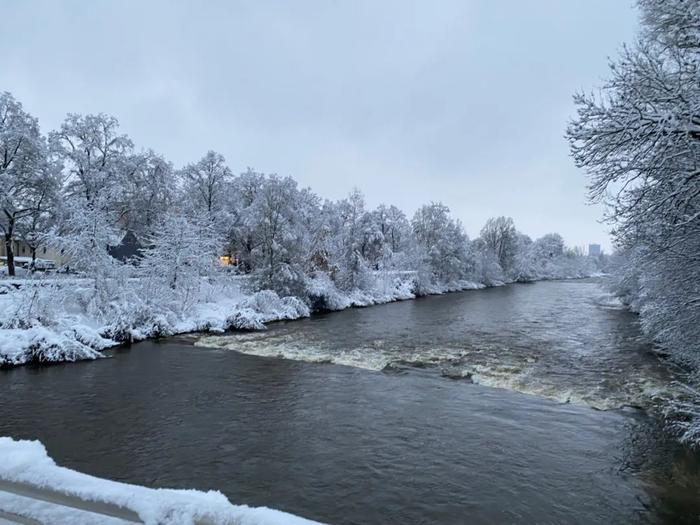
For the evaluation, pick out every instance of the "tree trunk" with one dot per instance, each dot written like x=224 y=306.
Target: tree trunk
x=10 y=254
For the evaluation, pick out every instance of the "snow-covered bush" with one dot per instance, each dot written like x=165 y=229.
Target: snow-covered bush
x=174 y=268
x=273 y=307
x=41 y=344
x=684 y=413
x=322 y=293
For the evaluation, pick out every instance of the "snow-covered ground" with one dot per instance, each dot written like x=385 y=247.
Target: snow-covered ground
x=26 y=463
x=49 y=321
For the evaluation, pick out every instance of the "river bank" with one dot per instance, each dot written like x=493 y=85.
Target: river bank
x=50 y=321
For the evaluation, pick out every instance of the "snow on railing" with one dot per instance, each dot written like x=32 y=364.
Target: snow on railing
x=56 y=497
x=33 y=489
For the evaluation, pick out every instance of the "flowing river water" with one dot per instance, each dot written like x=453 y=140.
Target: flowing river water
x=521 y=404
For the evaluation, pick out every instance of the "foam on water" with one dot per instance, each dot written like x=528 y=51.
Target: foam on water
x=610 y=301
x=285 y=348
x=489 y=366
x=571 y=342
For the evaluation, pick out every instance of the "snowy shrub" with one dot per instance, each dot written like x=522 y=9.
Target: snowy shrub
x=265 y=302
x=46 y=349
x=271 y=307
x=683 y=412
x=323 y=295
x=285 y=279
x=42 y=345
x=245 y=319
x=488 y=270
x=294 y=308
x=33 y=304
x=133 y=321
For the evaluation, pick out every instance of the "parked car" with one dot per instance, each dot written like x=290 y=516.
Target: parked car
x=25 y=265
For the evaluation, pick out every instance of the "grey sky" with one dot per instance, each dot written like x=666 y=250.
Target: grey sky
x=463 y=102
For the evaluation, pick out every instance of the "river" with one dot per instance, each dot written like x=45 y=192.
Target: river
x=521 y=404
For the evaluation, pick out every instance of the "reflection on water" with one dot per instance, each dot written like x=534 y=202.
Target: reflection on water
x=350 y=445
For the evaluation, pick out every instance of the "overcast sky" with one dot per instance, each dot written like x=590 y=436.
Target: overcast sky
x=463 y=102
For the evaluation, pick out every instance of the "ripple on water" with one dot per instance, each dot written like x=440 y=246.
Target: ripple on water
x=567 y=341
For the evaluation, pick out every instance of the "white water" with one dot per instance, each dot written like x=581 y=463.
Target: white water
x=567 y=341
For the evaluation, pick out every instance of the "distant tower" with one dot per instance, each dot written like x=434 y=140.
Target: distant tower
x=593 y=250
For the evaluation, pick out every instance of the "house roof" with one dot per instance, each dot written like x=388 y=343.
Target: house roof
x=129 y=247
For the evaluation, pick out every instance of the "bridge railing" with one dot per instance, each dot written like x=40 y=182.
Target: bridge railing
x=56 y=497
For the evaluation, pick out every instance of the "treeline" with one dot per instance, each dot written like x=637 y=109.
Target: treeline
x=83 y=185
x=640 y=141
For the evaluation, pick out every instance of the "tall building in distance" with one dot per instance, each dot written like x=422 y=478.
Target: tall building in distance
x=593 y=250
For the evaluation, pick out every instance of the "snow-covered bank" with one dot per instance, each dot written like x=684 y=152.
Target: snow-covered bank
x=26 y=462
x=54 y=322
x=50 y=322
x=386 y=288
x=667 y=318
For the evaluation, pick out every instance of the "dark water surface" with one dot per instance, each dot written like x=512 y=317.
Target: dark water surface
x=388 y=439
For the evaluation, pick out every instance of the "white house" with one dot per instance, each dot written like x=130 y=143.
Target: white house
x=23 y=254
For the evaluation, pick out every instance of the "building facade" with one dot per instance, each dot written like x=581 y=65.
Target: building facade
x=22 y=249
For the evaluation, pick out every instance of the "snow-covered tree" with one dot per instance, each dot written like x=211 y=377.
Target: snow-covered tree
x=240 y=237
x=639 y=140
x=148 y=192
x=179 y=259
x=487 y=269
x=84 y=235
x=44 y=206
x=524 y=265
x=548 y=246
x=205 y=183
x=352 y=271
x=499 y=236
x=269 y=229
x=25 y=179
x=386 y=234
x=443 y=247
x=394 y=226
x=94 y=154
x=279 y=230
